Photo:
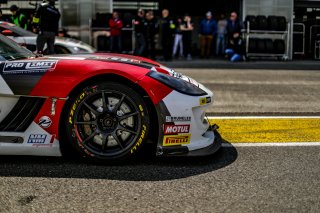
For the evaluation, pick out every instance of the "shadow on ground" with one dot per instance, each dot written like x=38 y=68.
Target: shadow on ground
x=147 y=168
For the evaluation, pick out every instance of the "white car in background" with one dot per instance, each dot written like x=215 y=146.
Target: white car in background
x=28 y=39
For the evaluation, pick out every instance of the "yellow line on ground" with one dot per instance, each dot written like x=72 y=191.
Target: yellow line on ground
x=266 y=130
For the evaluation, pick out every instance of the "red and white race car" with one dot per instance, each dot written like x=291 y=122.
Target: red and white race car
x=101 y=106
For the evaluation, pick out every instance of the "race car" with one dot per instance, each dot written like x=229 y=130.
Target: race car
x=104 y=107
x=29 y=40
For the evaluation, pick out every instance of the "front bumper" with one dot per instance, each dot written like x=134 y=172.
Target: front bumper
x=184 y=151
x=180 y=110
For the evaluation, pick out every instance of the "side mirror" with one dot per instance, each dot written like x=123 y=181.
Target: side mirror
x=7 y=33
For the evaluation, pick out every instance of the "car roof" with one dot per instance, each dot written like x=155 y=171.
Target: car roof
x=17 y=30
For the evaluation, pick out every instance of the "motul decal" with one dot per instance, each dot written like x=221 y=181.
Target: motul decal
x=28 y=67
x=176 y=129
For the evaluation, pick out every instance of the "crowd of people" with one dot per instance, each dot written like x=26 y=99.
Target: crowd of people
x=176 y=35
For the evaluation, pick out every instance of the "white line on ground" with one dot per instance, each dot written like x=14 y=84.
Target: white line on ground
x=276 y=144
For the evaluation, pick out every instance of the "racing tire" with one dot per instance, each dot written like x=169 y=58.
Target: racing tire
x=282 y=23
x=279 y=46
x=261 y=46
x=106 y=122
x=253 y=22
x=273 y=23
x=262 y=22
x=252 y=45
x=269 y=46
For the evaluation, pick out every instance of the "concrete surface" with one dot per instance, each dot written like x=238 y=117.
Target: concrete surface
x=262 y=179
x=260 y=91
x=218 y=63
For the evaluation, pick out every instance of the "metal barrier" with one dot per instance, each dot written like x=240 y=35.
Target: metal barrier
x=302 y=33
x=312 y=34
x=317 y=48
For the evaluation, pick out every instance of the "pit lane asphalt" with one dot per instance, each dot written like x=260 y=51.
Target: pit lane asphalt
x=237 y=179
x=255 y=179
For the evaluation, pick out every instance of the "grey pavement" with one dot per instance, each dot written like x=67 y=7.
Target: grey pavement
x=239 y=91
x=264 y=179
x=253 y=64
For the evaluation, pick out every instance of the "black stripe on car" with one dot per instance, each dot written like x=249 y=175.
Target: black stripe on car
x=22 y=114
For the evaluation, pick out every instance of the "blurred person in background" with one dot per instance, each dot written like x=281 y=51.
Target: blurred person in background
x=17 y=17
x=178 y=42
x=140 y=33
x=151 y=31
x=116 y=25
x=187 y=29
x=234 y=28
x=1 y=16
x=235 y=50
x=167 y=28
x=47 y=18
x=30 y=25
x=221 y=35
x=208 y=29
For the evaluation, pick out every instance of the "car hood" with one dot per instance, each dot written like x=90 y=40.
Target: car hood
x=109 y=57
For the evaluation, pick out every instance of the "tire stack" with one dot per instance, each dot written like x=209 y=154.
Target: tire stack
x=266 y=45
x=269 y=46
x=253 y=22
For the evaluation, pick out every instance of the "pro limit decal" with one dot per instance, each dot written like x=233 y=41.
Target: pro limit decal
x=27 y=67
x=171 y=140
x=176 y=129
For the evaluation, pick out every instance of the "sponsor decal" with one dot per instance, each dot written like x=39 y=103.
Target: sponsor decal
x=171 y=140
x=28 y=67
x=37 y=139
x=114 y=58
x=45 y=122
x=176 y=129
x=205 y=100
x=177 y=118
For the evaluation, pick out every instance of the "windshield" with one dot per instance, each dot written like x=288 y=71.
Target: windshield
x=9 y=50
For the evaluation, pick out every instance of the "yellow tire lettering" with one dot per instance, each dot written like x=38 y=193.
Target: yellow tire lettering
x=74 y=106
x=143 y=133
x=141 y=108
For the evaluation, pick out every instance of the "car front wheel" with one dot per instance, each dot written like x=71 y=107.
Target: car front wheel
x=107 y=122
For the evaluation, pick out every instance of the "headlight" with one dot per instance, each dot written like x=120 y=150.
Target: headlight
x=177 y=84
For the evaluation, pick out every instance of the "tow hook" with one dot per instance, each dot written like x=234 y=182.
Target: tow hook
x=53 y=106
x=214 y=127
